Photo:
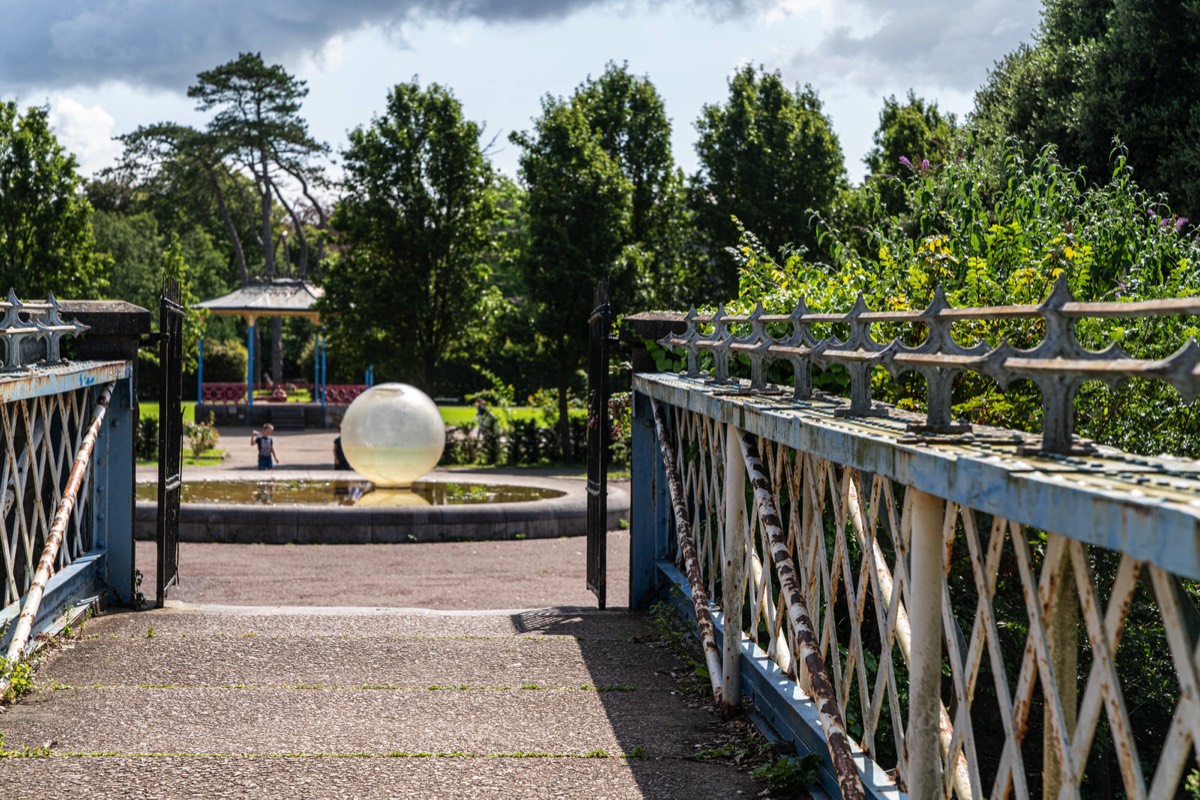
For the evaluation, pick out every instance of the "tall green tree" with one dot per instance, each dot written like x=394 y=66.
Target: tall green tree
x=914 y=136
x=769 y=157
x=257 y=125
x=45 y=219
x=177 y=174
x=627 y=116
x=914 y=130
x=410 y=286
x=258 y=129
x=1099 y=71
x=579 y=204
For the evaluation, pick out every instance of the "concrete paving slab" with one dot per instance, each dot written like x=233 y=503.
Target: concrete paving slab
x=153 y=725
x=335 y=662
x=370 y=779
x=358 y=721
x=181 y=619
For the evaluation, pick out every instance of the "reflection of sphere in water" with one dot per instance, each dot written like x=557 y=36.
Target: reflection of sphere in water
x=392 y=498
x=392 y=434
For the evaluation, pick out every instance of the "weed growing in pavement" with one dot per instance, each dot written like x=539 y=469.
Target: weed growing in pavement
x=711 y=754
x=740 y=742
x=789 y=776
x=18 y=674
x=23 y=752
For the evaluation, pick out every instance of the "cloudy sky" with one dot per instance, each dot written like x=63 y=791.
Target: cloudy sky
x=106 y=66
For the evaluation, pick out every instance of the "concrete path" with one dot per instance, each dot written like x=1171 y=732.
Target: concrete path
x=298 y=703
x=373 y=671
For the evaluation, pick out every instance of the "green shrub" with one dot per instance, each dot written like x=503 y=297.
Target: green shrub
x=1113 y=241
x=202 y=436
x=147 y=439
x=225 y=361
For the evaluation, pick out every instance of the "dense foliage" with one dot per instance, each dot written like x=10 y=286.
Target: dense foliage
x=438 y=277
x=410 y=288
x=1099 y=70
x=769 y=157
x=45 y=220
x=579 y=207
x=1113 y=241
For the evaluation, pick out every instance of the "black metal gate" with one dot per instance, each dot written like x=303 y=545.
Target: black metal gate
x=170 y=437
x=600 y=325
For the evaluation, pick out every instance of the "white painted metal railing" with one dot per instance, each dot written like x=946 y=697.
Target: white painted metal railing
x=969 y=599
x=73 y=496
x=936 y=609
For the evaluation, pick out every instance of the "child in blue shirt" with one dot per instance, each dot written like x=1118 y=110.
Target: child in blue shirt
x=266 y=447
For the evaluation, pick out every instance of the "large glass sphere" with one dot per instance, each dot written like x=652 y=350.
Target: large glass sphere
x=392 y=434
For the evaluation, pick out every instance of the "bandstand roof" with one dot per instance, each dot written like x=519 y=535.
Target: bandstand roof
x=282 y=297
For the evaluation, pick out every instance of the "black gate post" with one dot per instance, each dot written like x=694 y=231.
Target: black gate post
x=170 y=437
x=600 y=324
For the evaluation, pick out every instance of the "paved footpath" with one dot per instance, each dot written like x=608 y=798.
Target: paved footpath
x=346 y=671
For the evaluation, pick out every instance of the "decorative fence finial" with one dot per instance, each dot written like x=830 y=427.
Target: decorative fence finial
x=1058 y=365
x=32 y=332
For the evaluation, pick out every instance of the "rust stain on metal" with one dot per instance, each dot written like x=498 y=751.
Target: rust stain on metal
x=803 y=632
x=687 y=550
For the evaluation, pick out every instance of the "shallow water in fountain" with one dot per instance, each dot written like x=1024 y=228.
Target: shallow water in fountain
x=346 y=493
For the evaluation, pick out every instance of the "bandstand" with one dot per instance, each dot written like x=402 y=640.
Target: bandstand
x=247 y=404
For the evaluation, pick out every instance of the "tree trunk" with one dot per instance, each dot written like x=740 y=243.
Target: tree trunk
x=277 y=349
x=564 y=419
x=230 y=229
x=267 y=238
x=429 y=378
x=258 y=355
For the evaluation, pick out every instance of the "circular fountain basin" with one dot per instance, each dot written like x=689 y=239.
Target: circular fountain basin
x=309 y=492
x=333 y=510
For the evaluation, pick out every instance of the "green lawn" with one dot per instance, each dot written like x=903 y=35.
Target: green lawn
x=212 y=458
x=465 y=415
x=149 y=410
x=451 y=415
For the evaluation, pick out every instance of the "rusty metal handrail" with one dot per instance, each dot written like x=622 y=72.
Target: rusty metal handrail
x=1058 y=365
x=803 y=631
x=691 y=564
x=66 y=504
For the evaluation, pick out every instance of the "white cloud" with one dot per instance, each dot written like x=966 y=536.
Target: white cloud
x=948 y=44
x=85 y=131
x=164 y=44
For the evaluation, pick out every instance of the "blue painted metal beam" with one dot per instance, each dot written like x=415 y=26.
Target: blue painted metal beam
x=60 y=379
x=113 y=502
x=1148 y=508
x=250 y=366
x=79 y=583
x=650 y=508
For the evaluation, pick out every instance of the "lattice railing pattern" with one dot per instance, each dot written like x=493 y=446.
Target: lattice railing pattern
x=1019 y=709
x=41 y=437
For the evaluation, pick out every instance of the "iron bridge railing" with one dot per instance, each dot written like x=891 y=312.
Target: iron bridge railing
x=65 y=493
x=935 y=615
